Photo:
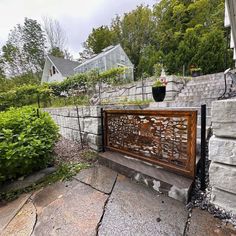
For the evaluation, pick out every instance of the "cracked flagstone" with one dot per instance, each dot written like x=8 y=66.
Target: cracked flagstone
x=74 y=208
x=98 y=177
x=8 y=211
x=74 y=211
x=23 y=223
x=133 y=209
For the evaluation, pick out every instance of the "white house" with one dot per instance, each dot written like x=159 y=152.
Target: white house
x=57 y=69
x=230 y=21
x=110 y=57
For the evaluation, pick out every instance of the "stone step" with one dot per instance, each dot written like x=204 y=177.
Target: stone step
x=203 y=93
x=197 y=98
x=209 y=82
x=202 y=90
x=208 y=79
x=156 y=177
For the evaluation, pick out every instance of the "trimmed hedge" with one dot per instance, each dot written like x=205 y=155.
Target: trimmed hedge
x=26 y=141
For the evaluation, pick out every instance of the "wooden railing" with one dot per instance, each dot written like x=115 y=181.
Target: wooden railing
x=166 y=138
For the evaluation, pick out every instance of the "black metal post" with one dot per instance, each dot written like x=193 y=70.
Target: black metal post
x=102 y=127
x=203 y=147
x=80 y=132
x=38 y=101
x=142 y=88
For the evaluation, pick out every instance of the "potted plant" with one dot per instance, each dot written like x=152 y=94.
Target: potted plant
x=159 y=89
x=195 y=72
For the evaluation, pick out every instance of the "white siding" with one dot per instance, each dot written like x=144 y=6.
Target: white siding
x=46 y=77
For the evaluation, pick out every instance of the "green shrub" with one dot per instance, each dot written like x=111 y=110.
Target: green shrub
x=26 y=141
x=25 y=95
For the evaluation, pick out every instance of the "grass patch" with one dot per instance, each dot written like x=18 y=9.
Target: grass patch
x=125 y=101
x=82 y=100
x=89 y=155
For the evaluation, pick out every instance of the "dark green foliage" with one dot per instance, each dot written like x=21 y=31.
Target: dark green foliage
x=175 y=33
x=81 y=100
x=75 y=82
x=24 y=95
x=56 y=52
x=33 y=44
x=71 y=91
x=24 y=50
x=100 y=38
x=17 y=81
x=85 y=82
x=26 y=141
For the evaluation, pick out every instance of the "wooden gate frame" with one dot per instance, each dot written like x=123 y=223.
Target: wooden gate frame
x=190 y=115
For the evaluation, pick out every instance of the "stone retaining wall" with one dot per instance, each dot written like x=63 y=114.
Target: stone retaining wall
x=222 y=153
x=142 y=90
x=89 y=117
x=90 y=124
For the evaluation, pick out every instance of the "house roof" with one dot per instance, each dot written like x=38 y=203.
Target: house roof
x=64 y=66
x=105 y=51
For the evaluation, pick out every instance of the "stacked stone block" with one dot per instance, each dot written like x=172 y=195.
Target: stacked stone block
x=142 y=90
x=90 y=124
x=222 y=153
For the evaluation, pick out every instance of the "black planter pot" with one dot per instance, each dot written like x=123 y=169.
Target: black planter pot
x=196 y=73
x=159 y=93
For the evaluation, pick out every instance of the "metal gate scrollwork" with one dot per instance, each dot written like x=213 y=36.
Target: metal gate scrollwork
x=166 y=138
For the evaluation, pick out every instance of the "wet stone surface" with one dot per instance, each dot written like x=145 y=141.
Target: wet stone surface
x=99 y=177
x=134 y=209
x=202 y=224
x=9 y=210
x=75 y=210
x=23 y=222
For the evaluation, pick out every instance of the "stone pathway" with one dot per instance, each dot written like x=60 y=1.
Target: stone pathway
x=98 y=201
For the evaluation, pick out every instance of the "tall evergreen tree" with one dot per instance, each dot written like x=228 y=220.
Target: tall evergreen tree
x=25 y=49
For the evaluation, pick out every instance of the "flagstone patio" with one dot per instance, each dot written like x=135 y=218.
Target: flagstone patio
x=99 y=201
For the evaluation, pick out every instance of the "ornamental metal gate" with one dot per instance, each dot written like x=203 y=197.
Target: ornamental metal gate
x=165 y=138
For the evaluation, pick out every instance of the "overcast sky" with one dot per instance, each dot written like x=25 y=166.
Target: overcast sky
x=77 y=17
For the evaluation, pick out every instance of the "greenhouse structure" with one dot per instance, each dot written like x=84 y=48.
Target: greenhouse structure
x=110 y=57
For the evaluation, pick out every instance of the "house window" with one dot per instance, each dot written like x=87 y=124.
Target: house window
x=53 y=70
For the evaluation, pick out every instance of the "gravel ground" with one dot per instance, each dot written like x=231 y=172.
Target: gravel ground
x=67 y=151
x=202 y=199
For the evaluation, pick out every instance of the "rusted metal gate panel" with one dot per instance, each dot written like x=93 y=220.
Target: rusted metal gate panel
x=166 y=138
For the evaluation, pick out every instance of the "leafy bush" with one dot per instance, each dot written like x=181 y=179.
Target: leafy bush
x=24 y=95
x=26 y=141
x=18 y=81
